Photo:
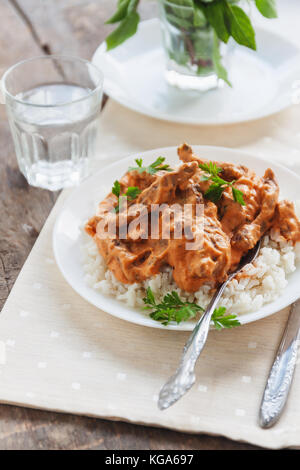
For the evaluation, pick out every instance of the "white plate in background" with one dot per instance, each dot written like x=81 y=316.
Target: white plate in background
x=262 y=80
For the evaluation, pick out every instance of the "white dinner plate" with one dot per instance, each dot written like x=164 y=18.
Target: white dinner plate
x=262 y=80
x=82 y=203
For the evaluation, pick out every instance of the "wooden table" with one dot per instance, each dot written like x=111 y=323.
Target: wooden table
x=30 y=28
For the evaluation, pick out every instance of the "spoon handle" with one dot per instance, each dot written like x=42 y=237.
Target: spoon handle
x=184 y=377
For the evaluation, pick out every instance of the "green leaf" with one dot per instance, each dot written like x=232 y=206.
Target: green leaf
x=216 y=14
x=211 y=168
x=174 y=309
x=132 y=192
x=214 y=192
x=178 y=22
x=149 y=299
x=157 y=162
x=132 y=6
x=238 y=196
x=267 y=8
x=224 y=321
x=121 y=12
x=241 y=28
x=153 y=168
x=125 y=30
x=158 y=166
x=199 y=17
x=219 y=68
x=182 y=3
x=116 y=189
x=218 y=186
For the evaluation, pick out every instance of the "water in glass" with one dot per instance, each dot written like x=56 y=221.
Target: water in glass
x=54 y=144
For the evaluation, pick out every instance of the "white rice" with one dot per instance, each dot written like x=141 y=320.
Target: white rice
x=266 y=278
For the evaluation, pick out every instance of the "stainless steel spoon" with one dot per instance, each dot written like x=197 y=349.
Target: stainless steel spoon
x=184 y=377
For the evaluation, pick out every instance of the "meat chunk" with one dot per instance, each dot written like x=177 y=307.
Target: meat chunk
x=286 y=226
x=245 y=225
x=209 y=263
x=230 y=171
x=248 y=235
x=162 y=190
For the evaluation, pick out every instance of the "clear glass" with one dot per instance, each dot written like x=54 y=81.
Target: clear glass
x=53 y=105
x=189 y=45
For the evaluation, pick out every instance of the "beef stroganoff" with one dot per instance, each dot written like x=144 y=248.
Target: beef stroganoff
x=237 y=209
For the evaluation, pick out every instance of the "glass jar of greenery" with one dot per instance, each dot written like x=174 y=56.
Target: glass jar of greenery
x=194 y=56
x=195 y=36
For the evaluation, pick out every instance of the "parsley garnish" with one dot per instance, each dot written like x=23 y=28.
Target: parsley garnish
x=219 y=185
x=153 y=168
x=131 y=193
x=116 y=189
x=223 y=321
x=172 y=308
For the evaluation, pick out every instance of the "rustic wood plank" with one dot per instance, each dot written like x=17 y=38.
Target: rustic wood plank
x=23 y=208
x=29 y=28
x=73 y=26
x=33 y=429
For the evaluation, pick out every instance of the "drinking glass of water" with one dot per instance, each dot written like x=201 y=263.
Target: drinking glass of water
x=53 y=105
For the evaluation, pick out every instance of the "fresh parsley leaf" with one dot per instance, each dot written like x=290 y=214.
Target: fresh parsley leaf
x=116 y=189
x=238 y=196
x=149 y=299
x=218 y=186
x=158 y=165
x=267 y=8
x=224 y=321
x=173 y=309
x=139 y=162
x=131 y=193
x=210 y=168
x=214 y=192
x=153 y=168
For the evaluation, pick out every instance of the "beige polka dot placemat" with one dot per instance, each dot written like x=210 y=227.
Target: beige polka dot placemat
x=57 y=352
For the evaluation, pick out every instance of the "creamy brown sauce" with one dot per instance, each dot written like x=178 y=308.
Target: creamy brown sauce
x=230 y=229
